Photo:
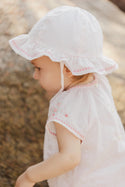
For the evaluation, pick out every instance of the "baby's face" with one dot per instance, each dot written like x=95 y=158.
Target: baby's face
x=48 y=74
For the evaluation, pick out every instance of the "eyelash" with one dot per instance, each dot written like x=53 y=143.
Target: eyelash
x=37 y=68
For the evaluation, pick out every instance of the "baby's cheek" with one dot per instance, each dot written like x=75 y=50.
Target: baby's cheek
x=50 y=78
x=44 y=80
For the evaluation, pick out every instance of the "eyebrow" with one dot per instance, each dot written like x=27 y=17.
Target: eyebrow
x=32 y=62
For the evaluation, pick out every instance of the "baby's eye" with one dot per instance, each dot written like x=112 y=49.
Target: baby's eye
x=37 y=68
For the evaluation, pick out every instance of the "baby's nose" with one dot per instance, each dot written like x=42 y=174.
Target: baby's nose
x=35 y=75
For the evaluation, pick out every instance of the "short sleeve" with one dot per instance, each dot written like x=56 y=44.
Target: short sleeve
x=71 y=110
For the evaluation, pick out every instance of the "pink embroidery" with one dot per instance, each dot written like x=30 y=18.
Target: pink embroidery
x=81 y=141
x=53 y=114
x=92 y=68
x=14 y=43
x=19 y=48
x=55 y=109
x=51 y=132
x=66 y=115
x=66 y=125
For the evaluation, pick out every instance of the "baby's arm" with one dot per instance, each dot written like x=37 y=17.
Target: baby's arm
x=66 y=159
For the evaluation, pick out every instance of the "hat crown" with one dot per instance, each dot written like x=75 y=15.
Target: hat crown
x=72 y=29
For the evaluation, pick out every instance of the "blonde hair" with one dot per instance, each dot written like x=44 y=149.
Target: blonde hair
x=78 y=79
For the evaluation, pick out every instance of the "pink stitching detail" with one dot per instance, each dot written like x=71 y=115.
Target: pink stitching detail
x=92 y=68
x=51 y=131
x=68 y=126
x=20 y=48
x=66 y=115
x=51 y=54
x=55 y=109
x=25 y=51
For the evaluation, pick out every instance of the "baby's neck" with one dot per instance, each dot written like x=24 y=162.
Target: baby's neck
x=89 y=80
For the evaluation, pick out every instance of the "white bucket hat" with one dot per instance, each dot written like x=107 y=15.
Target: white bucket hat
x=68 y=35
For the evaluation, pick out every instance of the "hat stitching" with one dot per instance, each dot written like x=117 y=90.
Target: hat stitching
x=78 y=70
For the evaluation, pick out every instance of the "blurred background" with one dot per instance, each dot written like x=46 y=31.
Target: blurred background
x=23 y=105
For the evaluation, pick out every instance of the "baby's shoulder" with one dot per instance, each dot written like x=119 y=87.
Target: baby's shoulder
x=74 y=98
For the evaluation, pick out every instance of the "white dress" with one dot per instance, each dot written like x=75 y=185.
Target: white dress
x=89 y=112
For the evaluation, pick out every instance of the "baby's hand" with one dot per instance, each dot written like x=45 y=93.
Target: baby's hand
x=23 y=181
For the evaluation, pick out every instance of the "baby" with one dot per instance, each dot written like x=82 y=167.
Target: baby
x=84 y=140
